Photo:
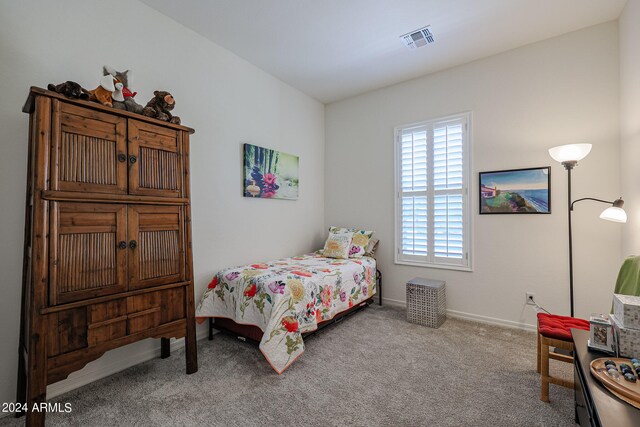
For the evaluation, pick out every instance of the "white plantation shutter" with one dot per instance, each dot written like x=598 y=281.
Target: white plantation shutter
x=414 y=191
x=432 y=169
x=414 y=225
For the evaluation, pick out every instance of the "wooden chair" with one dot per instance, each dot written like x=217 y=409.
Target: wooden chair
x=555 y=331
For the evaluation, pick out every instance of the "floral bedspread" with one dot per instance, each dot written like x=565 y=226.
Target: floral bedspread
x=287 y=297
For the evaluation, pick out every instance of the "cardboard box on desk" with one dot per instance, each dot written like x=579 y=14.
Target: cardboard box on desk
x=626 y=309
x=628 y=340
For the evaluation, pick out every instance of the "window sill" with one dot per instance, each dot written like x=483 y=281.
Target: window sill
x=438 y=266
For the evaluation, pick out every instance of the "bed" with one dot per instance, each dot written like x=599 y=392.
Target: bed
x=279 y=303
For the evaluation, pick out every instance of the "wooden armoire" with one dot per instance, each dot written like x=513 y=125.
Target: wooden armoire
x=107 y=254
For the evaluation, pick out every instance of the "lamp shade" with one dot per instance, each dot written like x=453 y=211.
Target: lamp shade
x=570 y=152
x=614 y=214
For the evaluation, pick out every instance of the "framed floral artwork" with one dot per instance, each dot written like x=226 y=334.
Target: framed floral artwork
x=270 y=174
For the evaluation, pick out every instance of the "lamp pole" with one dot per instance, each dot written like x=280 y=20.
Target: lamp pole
x=569 y=165
x=569 y=155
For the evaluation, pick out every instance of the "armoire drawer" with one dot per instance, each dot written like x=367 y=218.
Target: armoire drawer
x=95 y=324
x=86 y=326
x=149 y=310
x=106 y=321
x=67 y=331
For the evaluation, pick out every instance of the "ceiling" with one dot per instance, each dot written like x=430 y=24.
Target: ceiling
x=333 y=49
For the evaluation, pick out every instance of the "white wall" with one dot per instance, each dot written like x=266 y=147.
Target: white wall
x=227 y=101
x=630 y=123
x=559 y=91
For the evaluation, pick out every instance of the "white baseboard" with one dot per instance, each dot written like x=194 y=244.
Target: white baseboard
x=394 y=302
x=491 y=320
x=469 y=316
x=101 y=371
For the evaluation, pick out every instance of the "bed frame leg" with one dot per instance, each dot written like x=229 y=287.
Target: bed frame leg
x=210 y=328
x=379 y=280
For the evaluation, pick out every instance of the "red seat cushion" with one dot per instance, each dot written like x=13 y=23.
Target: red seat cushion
x=558 y=327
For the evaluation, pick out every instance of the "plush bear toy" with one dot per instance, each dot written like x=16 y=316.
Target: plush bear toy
x=103 y=93
x=70 y=90
x=160 y=107
x=123 y=97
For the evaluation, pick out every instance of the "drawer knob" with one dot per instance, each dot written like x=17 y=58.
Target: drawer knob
x=133 y=244
x=133 y=159
x=122 y=245
x=122 y=158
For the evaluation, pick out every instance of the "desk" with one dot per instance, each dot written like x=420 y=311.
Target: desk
x=594 y=404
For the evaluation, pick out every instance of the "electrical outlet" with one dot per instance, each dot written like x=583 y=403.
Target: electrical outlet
x=530 y=298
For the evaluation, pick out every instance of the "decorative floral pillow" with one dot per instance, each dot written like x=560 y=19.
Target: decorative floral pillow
x=337 y=245
x=359 y=241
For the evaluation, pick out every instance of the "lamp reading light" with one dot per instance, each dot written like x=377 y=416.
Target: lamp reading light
x=615 y=213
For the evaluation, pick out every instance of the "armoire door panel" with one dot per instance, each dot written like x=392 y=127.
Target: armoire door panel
x=89 y=150
x=156 y=245
x=87 y=256
x=155 y=164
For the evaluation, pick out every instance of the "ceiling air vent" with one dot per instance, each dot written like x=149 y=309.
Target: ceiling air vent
x=418 y=38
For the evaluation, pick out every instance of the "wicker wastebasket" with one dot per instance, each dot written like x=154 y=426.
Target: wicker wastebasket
x=426 y=302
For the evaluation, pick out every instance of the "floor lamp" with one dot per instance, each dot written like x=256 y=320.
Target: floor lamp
x=569 y=155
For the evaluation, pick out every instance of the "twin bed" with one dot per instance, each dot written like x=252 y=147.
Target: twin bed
x=278 y=303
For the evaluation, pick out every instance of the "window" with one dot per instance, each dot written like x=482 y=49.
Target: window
x=432 y=193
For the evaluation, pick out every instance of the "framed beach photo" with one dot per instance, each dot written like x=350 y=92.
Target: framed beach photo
x=516 y=191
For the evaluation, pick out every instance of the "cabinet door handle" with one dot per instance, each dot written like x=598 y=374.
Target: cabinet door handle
x=133 y=244
x=122 y=158
x=122 y=245
x=133 y=159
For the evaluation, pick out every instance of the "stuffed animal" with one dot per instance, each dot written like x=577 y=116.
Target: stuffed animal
x=130 y=103
x=102 y=93
x=126 y=102
x=70 y=90
x=160 y=107
x=117 y=95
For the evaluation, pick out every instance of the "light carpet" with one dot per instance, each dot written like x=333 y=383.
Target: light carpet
x=372 y=369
